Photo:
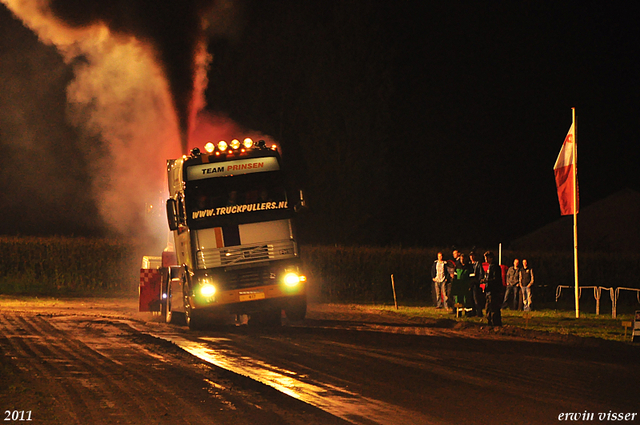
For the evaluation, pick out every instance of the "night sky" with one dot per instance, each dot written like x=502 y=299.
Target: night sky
x=411 y=122
x=490 y=86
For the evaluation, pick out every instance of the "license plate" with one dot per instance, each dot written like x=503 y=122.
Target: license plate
x=251 y=296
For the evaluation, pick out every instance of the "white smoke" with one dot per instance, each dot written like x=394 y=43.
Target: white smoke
x=123 y=95
x=119 y=96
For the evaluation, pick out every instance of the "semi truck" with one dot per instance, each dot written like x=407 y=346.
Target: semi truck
x=235 y=251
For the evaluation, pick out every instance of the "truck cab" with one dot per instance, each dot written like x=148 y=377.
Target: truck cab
x=236 y=251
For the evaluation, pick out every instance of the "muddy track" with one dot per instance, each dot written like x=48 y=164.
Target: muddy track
x=81 y=370
x=100 y=361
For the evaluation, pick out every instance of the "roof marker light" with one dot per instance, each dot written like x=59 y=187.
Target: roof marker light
x=235 y=143
x=248 y=143
x=209 y=147
x=222 y=145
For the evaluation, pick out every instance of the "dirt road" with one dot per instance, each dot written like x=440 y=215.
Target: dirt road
x=76 y=362
x=99 y=361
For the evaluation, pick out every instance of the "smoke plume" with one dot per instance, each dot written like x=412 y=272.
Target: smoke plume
x=140 y=70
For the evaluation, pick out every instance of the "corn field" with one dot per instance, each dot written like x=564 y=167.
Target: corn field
x=67 y=265
x=62 y=265
x=363 y=274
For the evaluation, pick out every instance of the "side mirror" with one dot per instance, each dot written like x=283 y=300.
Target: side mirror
x=301 y=206
x=172 y=214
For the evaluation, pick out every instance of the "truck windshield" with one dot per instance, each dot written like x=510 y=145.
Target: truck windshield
x=235 y=198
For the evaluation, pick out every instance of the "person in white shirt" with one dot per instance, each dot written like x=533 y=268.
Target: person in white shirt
x=526 y=284
x=440 y=277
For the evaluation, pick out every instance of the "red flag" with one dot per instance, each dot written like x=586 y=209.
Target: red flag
x=565 y=174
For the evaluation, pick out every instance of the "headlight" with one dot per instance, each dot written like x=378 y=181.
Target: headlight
x=208 y=290
x=291 y=279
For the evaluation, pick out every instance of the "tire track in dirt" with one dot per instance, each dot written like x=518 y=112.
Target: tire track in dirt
x=334 y=317
x=27 y=351
x=94 y=370
x=93 y=374
x=92 y=387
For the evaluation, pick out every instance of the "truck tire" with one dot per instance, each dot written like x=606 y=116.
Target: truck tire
x=163 y=308
x=163 y=295
x=170 y=316
x=296 y=309
x=195 y=321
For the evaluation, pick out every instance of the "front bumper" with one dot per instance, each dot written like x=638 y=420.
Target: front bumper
x=248 y=300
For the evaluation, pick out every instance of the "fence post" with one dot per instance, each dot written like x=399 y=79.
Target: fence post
x=614 y=302
x=393 y=286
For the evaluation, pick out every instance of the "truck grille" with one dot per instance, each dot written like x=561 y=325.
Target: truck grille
x=248 y=278
x=245 y=254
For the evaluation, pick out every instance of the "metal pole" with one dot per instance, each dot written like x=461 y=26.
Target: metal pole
x=575 y=207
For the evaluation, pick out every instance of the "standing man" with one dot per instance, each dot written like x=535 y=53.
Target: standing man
x=526 y=283
x=460 y=285
x=440 y=277
x=513 y=285
x=452 y=265
x=493 y=290
x=475 y=276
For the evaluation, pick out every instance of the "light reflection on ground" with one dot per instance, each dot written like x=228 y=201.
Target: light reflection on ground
x=337 y=401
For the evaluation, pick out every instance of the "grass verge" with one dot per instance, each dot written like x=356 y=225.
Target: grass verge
x=551 y=321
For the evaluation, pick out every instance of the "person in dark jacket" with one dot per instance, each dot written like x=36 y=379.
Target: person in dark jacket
x=452 y=265
x=460 y=285
x=475 y=277
x=493 y=290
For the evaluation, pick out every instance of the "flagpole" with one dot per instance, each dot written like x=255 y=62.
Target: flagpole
x=575 y=210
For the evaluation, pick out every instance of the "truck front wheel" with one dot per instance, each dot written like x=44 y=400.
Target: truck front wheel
x=195 y=320
x=172 y=317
